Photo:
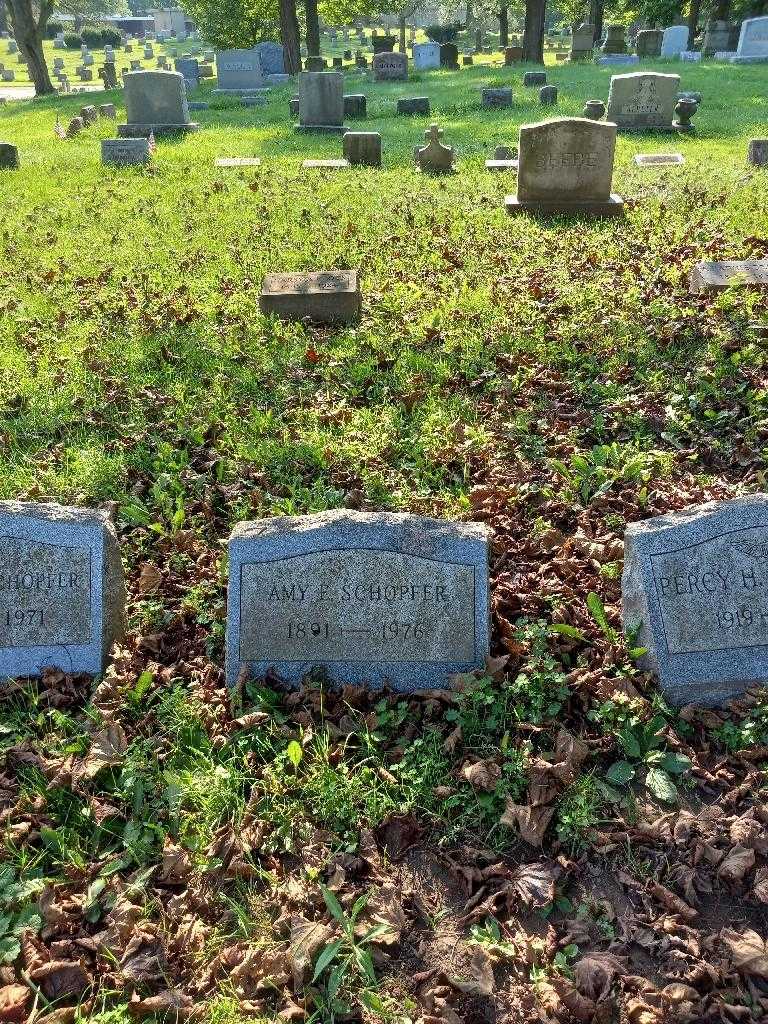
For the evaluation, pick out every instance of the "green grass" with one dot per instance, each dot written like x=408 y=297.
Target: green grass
x=132 y=337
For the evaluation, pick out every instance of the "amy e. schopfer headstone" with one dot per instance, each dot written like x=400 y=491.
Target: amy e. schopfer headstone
x=696 y=585
x=62 y=595
x=369 y=597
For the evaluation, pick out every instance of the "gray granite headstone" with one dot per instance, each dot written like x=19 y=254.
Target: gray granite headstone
x=390 y=67
x=9 y=156
x=271 y=58
x=369 y=597
x=717 y=275
x=426 y=56
x=124 y=152
x=155 y=101
x=643 y=99
x=62 y=595
x=321 y=101
x=696 y=583
x=238 y=71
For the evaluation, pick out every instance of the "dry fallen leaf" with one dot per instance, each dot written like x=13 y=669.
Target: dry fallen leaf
x=748 y=952
x=13 y=1003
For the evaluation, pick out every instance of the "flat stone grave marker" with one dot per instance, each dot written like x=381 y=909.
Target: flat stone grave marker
x=62 y=594
x=696 y=583
x=330 y=296
x=238 y=161
x=566 y=166
x=125 y=152
x=643 y=99
x=326 y=165
x=659 y=159
x=413 y=105
x=718 y=275
x=369 y=597
x=390 y=67
x=355 y=105
x=496 y=96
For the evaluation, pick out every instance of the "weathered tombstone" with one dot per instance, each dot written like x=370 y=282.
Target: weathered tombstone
x=696 y=585
x=85 y=74
x=189 y=69
x=124 y=152
x=648 y=42
x=717 y=36
x=369 y=597
x=338 y=63
x=615 y=40
x=238 y=71
x=362 y=149
x=107 y=110
x=496 y=96
x=383 y=44
x=355 y=105
x=135 y=65
x=566 y=166
x=757 y=154
x=8 y=75
x=108 y=75
x=89 y=115
x=467 y=60
x=434 y=158
x=74 y=127
x=752 y=47
x=583 y=42
x=643 y=99
x=331 y=296
x=449 y=56
x=321 y=102
x=413 y=105
x=512 y=55
x=659 y=159
x=271 y=58
x=390 y=67
x=155 y=102
x=149 y=52
x=62 y=595
x=531 y=78
x=12 y=46
x=718 y=275
x=675 y=41
x=87 y=60
x=548 y=95
x=9 y=157
x=315 y=64
x=58 y=63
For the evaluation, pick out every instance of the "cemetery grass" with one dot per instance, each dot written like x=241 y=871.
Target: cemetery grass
x=546 y=840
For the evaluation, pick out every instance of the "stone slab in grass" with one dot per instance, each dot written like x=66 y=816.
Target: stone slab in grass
x=325 y=165
x=717 y=275
x=659 y=159
x=238 y=161
x=329 y=296
x=376 y=598
x=413 y=105
x=501 y=165
x=125 y=152
x=9 y=157
x=696 y=585
x=62 y=595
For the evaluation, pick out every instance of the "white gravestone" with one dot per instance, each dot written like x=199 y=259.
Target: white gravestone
x=426 y=56
x=753 y=42
x=675 y=40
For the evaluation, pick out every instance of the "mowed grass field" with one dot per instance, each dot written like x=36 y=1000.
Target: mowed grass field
x=553 y=379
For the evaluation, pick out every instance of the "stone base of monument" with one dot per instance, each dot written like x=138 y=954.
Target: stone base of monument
x=239 y=92
x=277 y=79
x=143 y=131
x=612 y=207
x=748 y=60
x=326 y=129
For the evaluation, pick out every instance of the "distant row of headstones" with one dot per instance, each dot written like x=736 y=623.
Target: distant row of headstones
x=384 y=598
x=751 y=43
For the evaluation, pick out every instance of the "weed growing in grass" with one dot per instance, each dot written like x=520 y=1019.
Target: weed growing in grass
x=579 y=811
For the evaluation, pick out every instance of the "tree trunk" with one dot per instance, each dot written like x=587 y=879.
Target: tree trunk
x=28 y=33
x=3 y=17
x=693 y=22
x=503 y=26
x=401 y=26
x=533 y=37
x=289 y=34
x=313 y=28
x=596 y=9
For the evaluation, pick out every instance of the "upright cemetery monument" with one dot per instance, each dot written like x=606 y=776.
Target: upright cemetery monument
x=695 y=586
x=366 y=597
x=566 y=166
x=675 y=41
x=752 y=47
x=62 y=595
x=238 y=72
x=321 y=102
x=155 y=103
x=643 y=99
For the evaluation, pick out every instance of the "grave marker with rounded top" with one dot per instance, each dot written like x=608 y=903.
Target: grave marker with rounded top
x=674 y=41
x=390 y=67
x=566 y=166
x=695 y=584
x=368 y=597
x=62 y=594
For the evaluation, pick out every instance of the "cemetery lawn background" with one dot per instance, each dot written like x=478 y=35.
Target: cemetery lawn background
x=546 y=841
